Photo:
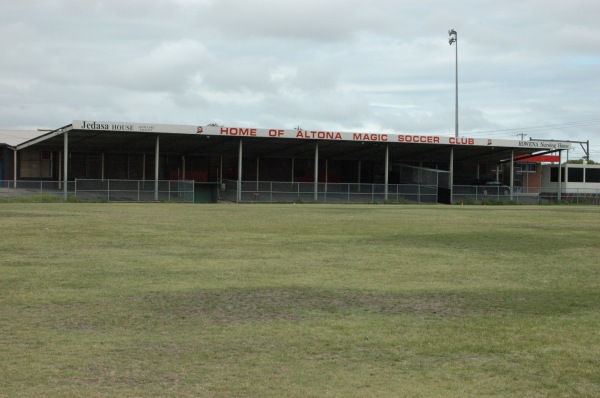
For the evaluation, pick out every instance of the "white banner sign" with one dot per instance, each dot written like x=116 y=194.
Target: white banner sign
x=313 y=135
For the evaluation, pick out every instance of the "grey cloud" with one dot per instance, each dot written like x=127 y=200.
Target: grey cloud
x=379 y=64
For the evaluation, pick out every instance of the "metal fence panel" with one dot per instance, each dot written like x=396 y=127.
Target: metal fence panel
x=293 y=192
x=134 y=190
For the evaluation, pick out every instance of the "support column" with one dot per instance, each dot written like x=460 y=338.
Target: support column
x=66 y=164
x=240 y=170
x=102 y=166
x=257 y=173
x=183 y=167
x=15 y=168
x=451 y=175
x=326 y=174
x=559 y=175
x=156 y=159
x=60 y=160
x=386 y=171
x=512 y=173
x=293 y=169
x=316 y=193
x=144 y=167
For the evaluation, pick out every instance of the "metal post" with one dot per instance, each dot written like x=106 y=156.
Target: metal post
x=60 y=159
x=326 y=177
x=156 y=159
x=221 y=170
x=386 y=172
x=15 y=168
x=451 y=175
x=512 y=173
x=559 y=196
x=66 y=164
x=239 y=180
x=102 y=166
x=456 y=89
x=316 y=193
x=257 y=173
x=183 y=167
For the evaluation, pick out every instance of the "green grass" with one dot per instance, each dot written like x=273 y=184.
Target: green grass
x=181 y=300
x=37 y=198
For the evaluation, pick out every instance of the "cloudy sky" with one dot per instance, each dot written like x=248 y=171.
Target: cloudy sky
x=525 y=67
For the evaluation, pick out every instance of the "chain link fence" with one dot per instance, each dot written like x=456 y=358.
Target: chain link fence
x=284 y=192
x=101 y=190
x=531 y=195
x=304 y=192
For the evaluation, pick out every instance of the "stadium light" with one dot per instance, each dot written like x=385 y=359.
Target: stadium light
x=453 y=39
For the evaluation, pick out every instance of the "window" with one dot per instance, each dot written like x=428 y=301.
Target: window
x=554 y=174
x=528 y=167
x=592 y=175
x=575 y=174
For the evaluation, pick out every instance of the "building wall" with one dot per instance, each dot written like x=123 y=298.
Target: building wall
x=588 y=174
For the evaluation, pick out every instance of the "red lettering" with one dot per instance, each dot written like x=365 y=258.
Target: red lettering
x=421 y=139
x=238 y=131
x=462 y=141
x=369 y=137
x=321 y=135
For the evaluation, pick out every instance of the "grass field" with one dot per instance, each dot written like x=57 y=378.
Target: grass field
x=160 y=300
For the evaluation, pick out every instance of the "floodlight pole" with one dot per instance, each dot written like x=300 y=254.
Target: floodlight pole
x=454 y=40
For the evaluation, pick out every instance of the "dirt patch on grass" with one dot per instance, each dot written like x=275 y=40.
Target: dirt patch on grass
x=295 y=304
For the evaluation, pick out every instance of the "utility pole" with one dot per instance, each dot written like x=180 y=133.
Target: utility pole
x=522 y=135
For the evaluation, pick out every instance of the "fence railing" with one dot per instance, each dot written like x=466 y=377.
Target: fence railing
x=522 y=195
x=104 y=190
x=10 y=188
x=273 y=192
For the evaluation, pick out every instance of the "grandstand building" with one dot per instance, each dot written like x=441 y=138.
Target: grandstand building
x=243 y=164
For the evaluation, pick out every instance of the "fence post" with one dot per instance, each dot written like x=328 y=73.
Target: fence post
x=108 y=190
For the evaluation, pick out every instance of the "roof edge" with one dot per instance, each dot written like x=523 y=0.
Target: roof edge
x=44 y=137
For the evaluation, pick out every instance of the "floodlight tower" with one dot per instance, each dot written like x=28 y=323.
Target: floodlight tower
x=453 y=38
